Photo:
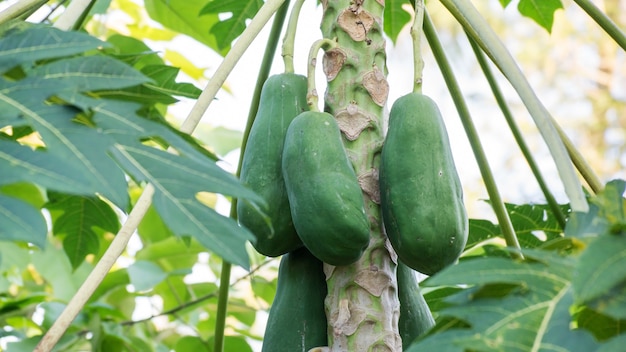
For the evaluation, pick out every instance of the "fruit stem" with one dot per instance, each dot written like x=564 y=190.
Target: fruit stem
x=311 y=97
x=416 y=34
x=290 y=35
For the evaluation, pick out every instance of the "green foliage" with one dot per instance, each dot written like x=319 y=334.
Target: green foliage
x=395 y=18
x=540 y=11
x=83 y=126
x=567 y=296
x=229 y=29
x=81 y=160
x=185 y=17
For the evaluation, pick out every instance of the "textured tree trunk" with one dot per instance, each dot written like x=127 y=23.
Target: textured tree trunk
x=362 y=304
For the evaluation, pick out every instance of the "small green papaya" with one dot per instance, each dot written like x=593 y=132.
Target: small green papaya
x=327 y=205
x=283 y=97
x=415 y=316
x=297 y=320
x=421 y=196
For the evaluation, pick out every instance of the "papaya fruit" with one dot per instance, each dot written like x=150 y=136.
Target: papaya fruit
x=283 y=97
x=421 y=195
x=415 y=316
x=297 y=320
x=327 y=205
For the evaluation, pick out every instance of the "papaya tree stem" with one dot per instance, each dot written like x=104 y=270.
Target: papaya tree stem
x=290 y=36
x=483 y=164
x=416 y=34
x=517 y=134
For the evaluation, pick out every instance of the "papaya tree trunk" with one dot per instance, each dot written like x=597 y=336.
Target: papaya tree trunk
x=362 y=305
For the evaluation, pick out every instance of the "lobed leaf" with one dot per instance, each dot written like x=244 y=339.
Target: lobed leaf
x=79 y=216
x=225 y=31
x=541 y=11
x=185 y=17
x=21 y=222
x=395 y=18
x=25 y=45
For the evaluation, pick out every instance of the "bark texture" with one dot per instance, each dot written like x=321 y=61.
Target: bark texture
x=362 y=304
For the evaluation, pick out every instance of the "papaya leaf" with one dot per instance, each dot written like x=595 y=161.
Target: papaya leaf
x=144 y=275
x=600 y=277
x=614 y=344
x=177 y=181
x=164 y=78
x=481 y=230
x=611 y=201
x=395 y=18
x=171 y=253
x=185 y=17
x=534 y=317
x=160 y=90
x=88 y=73
x=27 y=45
x=21 y=222
x=26 y=192
x=79 y=215
x=228 y=30
x=541 y=11
x=601 y=326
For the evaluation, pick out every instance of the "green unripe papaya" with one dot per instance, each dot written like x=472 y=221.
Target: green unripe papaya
x=415 y=316
x=326 y=201
x=421 y=196
x=297 y=320
x=283 y=97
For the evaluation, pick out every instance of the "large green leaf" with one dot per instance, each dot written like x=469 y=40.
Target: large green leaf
x=144 y=275
x=534 y=317
x=88 y=73
x=239 y=10
x=77 y=221
x=171 y=253
x=21 y=222
x=26 y=44
x=185 y=17
x=176 y=182
x=541 y=11
x=395 y=18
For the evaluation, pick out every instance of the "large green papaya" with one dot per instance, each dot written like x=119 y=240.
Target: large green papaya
x=415 y=316
x=297 y=321
x=327 y=204
x=283 y=97
x=421 y=196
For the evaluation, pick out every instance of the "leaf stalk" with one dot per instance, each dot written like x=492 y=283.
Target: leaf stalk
x=517 y=134
x=483 y=164
x=476 y=26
